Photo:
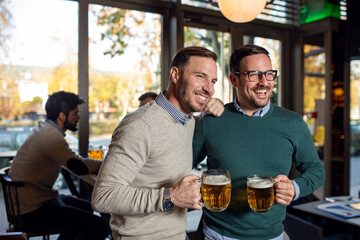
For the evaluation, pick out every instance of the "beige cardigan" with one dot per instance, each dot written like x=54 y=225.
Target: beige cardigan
x=148 y=152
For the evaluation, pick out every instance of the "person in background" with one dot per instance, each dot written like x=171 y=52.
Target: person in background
x=146 y=97
x=144 y=181
x=38 y=163
x=253 y=136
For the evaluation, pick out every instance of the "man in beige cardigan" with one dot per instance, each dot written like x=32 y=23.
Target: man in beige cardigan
x=144 y=181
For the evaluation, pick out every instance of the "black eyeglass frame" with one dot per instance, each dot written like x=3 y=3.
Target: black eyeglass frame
x=259 y=76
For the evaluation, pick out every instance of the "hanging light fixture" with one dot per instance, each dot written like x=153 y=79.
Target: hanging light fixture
x=241 y=11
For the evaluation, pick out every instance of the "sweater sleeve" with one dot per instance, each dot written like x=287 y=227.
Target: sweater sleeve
x=307 y=162
x=198 y=143
x=113 y=191
x=56 y=147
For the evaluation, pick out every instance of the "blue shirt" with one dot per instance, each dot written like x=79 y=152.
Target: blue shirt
x=175 y=113
x=259 y=113
x=52 y=123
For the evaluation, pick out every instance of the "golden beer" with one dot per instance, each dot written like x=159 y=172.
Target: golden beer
x=260 y=193
x=216 y=189
x=96 y=154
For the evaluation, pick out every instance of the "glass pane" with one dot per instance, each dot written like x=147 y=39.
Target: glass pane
x=38 y=56
x=219 y=43
x=355 y=128
x=314 y=94
x=124 y=53
x=203 y=4
x=274 y=48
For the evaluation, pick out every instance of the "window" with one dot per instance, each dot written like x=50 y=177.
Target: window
x=355 y=128
x=38 y=56
x=314 y=94
x=124 y=53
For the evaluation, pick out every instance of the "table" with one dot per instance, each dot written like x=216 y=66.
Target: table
x=309 y=208
x=89 y=178
x=6 y=157
x=7 y=154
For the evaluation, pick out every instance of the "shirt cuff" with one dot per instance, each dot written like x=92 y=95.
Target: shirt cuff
x=297 y=190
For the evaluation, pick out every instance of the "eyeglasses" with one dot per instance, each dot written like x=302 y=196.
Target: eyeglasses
x=255 y=76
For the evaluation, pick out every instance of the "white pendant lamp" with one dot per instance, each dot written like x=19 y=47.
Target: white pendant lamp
x=241 y=11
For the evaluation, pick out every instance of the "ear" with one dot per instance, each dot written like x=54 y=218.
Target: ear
x=233 y=79
x=62 y=116
x=174 y=74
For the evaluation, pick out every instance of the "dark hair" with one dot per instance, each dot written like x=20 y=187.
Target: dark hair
x=182 y=56
x=151 y=95
x=244 y=51
x=61 y=102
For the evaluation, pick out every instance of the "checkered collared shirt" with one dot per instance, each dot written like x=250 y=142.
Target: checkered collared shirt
x=175 y=113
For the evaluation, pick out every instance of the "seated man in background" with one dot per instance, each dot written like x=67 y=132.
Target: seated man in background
x=38 y=163
x=146 y=97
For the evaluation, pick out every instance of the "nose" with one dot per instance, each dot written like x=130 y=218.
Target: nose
x=263 y=79
x=209 y=88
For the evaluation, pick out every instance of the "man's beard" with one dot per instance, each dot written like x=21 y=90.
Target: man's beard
x=68 y=125
x=185 y=100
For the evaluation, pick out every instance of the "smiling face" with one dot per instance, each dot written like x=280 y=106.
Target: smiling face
x=252 y=96
x=195 y=85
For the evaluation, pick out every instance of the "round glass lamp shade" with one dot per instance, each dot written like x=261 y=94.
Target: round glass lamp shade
x=241 y=11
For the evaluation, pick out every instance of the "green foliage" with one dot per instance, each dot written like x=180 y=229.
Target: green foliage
x=103 y=127
x=5 y=23
x=113 y=19
x=37 y=101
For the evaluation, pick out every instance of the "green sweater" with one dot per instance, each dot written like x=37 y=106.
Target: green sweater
x=249 y=145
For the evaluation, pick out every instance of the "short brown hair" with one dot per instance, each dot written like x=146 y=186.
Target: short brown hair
x=244 y=51
x=182 y=56
x=151 y=95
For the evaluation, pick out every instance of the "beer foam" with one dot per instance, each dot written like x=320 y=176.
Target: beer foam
x=216 y=180
x=260 y=183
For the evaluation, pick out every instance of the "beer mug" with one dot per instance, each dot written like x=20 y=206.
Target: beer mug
x=96 y=154
x=260 y=193
x=216 y=189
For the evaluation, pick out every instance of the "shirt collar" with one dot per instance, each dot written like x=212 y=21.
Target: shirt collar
x=259 y=113
x=175 y=113
x=52 y=123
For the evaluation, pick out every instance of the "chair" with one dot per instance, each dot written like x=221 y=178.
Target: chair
x=299 y=229
x=13 y=236
x=11 y=199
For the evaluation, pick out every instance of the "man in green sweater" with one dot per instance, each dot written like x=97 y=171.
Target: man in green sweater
x=253 y=136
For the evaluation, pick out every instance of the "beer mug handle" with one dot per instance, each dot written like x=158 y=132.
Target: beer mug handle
x=201 y=203
x=275 y=202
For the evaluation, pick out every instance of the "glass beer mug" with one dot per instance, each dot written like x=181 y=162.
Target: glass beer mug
x=216 y=189
x=260 y=193
x=96 y=154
